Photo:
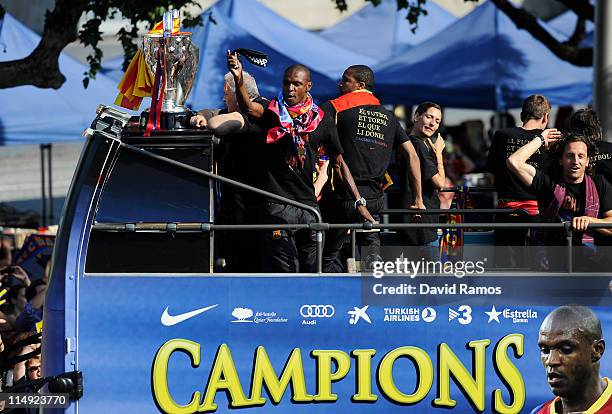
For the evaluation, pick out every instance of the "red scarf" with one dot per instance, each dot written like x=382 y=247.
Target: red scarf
x=297 y=121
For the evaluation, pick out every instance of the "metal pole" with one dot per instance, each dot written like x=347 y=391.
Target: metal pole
x=43 y=195
x=50 y=169
x=569 y=237
x=197 y=227
x=602 y=65
x=319 y=236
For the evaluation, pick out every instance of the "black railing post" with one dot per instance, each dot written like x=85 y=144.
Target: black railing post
x=319 y=236
x=43 y=197
x=569 y=236
x=50 y=175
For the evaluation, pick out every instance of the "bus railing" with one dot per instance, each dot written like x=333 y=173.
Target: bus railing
x=319 y=226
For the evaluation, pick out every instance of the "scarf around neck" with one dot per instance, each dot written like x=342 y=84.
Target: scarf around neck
x=591 y=205
x=297 y=121
x=352 y=99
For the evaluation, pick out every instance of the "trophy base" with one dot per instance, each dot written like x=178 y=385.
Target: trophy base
x=169 y=121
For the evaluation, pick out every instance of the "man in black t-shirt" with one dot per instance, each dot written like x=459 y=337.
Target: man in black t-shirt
x=291 y=130
x=574 y=196
x=511 y=192
x=602 y=162
x=585 y=122
x=368 y=133
x=426 y=122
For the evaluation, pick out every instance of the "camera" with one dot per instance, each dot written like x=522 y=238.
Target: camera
x=8 y=276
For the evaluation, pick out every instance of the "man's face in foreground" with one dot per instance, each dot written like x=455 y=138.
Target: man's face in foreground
x=567 y=357
x=296 y=84
x=428 y=122
x=574 y=161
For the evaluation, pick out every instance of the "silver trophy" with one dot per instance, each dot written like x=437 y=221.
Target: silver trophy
x=181 y=62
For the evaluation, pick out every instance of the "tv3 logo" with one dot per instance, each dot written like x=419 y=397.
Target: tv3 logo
x=463 y=313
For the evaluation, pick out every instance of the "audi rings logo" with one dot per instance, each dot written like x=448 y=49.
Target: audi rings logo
x=317 y=311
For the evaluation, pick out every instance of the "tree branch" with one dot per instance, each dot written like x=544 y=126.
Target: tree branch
x=41 y=67
x=582 y=8
x=524 y=20
x=579 y=33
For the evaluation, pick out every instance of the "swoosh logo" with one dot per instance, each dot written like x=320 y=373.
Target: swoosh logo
x=169 y=320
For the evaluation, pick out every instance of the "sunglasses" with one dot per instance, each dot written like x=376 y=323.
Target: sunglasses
x=34 y=368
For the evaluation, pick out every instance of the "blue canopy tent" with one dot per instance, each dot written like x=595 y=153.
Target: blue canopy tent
x=482 y=61
x=113 y=68
x=300 y=45
x=215 y=39
x=382 y=31
x=31 y=115
x=564 y=24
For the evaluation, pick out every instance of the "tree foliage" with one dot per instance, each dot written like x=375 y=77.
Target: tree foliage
x=41 y=67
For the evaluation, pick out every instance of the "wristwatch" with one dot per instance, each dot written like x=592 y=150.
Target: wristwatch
x=360 y=202
x=541 y=139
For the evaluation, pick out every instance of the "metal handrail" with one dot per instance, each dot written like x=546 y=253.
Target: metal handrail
x=460 y=189
x=223 y=179
x=178 y=227
x=238 y=184
x=319 y=227
x=455 y=211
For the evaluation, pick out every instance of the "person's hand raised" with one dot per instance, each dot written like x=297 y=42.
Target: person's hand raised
x=550 y=135
x=439 y=145
x=234 y=65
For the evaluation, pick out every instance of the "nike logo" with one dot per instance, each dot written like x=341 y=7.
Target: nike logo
x=169 y=320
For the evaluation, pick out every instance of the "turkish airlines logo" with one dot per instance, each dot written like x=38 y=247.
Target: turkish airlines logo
x=429 y=315
x=317 y=311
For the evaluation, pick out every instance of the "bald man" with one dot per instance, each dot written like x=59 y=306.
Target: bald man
x=571 y=346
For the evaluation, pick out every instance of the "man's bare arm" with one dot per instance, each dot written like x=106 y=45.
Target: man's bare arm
x=200 y=120
x=582 y=223
x=322 y=177
x=414 y=174
x=245 y=103
x=344 y=173
x=517 y=163
x=439 y=179
x=226 y=124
